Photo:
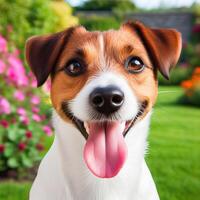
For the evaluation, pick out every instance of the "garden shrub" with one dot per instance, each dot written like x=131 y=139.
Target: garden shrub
x=33 y=17
x=192 y=88
x=102 y=5
x=99 y=23
x=63 y=13
x=177 y=75
x=25 y=18
x=22 y=127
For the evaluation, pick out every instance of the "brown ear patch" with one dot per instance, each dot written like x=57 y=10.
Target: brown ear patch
x=163 y=45
x=42 y=53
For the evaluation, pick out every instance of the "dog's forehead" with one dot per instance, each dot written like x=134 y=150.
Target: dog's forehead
x=87 y=39
x=112 y=42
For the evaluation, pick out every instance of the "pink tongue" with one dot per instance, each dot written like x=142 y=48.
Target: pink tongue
x=105 y=150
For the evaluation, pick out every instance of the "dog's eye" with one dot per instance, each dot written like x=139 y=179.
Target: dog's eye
x=74 y=68
x=134 y=65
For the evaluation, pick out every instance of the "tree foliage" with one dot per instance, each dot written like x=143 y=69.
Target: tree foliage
x=125 y=5
x=63 y=13
x=25 y=18
x=33 y=17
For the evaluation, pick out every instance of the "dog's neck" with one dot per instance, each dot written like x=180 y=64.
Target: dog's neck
x=79 y=178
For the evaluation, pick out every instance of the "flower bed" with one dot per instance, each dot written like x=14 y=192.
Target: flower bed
x=192 y=88
x=22 y=127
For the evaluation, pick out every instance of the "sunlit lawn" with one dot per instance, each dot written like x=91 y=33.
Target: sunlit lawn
x=174 y=155
x=174 y=152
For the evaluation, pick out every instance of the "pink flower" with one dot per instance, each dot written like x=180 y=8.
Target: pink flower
x=23 y=117
x=43 y=117
x=3 y=44
x=4 y=106
x=12 y=76
x=35 y=100
x=47 y=130
x=2 y=67
x=36 y=117
x=4 y=123
x=47 y=86
x=24 y=120
x=19 y=95
x=21 y=111
x=35 y=109
x=16 y=71
x=34 y=83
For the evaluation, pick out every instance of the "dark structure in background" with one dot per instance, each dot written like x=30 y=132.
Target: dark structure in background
x=182 y=21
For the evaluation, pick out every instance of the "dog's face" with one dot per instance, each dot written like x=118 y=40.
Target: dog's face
x=103 y=82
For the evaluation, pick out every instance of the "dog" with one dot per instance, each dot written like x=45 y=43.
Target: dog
x=103 y=88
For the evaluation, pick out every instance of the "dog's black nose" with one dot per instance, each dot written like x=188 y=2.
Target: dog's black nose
x=107 y=100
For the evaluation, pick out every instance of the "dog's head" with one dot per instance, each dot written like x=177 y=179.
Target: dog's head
x=103 y=82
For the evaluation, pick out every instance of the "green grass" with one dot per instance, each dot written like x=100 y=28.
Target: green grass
x=173 y=156
x=174 y=153
x=14 y=191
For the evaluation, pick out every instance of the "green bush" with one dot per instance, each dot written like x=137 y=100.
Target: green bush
x=63 y=13
x=99 y=23
x=125 y=5
x=177 y=75
x=194 y=99
x=25 y=18
x=191 y=53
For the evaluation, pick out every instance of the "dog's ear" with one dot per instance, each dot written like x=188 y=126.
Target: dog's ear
x=163 y=45
x=42 y=53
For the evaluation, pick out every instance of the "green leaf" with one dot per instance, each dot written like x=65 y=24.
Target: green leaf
x=12 y=133
x=13 y=162
x=27 y=162
x=9 y=150
x=2 y=133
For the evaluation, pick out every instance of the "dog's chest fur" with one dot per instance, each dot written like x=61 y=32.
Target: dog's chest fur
x=64 y=173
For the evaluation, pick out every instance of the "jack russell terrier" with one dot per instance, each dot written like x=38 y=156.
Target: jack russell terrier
x=104 y=85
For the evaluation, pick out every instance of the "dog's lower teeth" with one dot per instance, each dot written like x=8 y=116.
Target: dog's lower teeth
x=86 y=127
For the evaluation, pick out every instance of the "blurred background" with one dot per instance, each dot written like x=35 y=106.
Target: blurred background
x=25 y=128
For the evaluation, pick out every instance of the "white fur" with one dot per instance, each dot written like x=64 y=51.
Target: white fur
x=63 y=174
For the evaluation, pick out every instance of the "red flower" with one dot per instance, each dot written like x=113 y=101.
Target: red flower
x=4 y=123
x=39 y=147
x=29 y=134
x=186 y=84
x=2 y=148
x=197 y=70
x=196 y=28
x=21 y=146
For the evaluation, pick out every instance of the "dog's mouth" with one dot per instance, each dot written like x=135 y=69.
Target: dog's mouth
x=105 y=150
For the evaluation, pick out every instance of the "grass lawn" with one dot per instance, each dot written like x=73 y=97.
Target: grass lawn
x=174 y=153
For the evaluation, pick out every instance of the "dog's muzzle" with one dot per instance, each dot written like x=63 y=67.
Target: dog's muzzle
x=105 y=150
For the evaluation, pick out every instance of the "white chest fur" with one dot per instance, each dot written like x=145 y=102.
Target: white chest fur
x=63 y=175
